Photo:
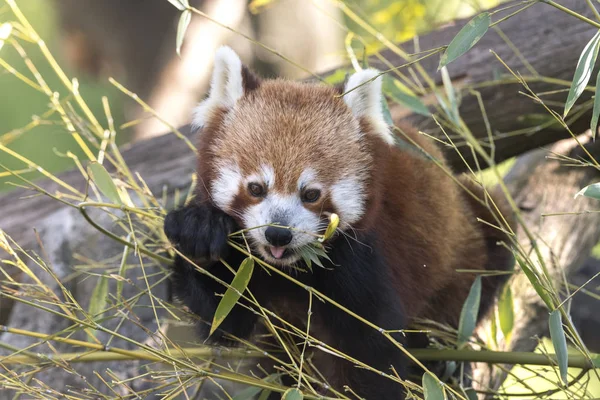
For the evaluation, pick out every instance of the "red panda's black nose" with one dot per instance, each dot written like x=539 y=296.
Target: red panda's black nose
x=278 y=236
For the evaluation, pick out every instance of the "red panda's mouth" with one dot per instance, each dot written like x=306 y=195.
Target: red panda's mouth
x=279 y=252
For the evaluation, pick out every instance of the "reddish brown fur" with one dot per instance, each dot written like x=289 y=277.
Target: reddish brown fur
x=426 y=226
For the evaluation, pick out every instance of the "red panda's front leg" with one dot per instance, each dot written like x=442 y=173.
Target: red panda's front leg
x=200 y=232
x=359 y=280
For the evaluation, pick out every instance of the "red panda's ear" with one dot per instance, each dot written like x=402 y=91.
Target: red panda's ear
x=365 y=100
x=230 y=80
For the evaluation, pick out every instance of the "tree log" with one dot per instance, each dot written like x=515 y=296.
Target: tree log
x=551 y=42
x=541 y=184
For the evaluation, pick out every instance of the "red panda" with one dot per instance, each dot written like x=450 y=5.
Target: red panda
x=291 y=154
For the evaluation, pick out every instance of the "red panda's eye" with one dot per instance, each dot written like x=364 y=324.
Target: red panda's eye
x=311 y=195
x=256 y=190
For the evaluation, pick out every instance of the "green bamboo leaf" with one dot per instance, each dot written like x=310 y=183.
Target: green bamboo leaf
x=178 y=4
x=596 y=110
x=466 y=38
x=386 y=112
x=432 y=387
x=247 y=393
x=104 y=182
x=252 y=391
x=5 y=31
x=337 y=77
x=471 y=394
x=583 y=71
x=184 y=22
x=535 y=282
x=391 y=89
x=292 y=394
x=506 y=311
x=559 y=341
x=233 y=293
x=468 y=315
x=98 y=299
x=592 y=191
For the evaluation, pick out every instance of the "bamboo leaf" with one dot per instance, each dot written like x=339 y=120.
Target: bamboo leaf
x=184 y=22
x=233 y=293
x=471 y=394
x=104 y=182
x=178 y=4
x=468 y=315
x=391 y=89
x=5 y=31
x=583 y=71
x=334 y=221
x=596 y=110
x=248 y=393
x=559 y=341
x=432 y=387
x=257 y=6
x=506 y=311
x=535 y=282
x=470 y=34
x=292 y=394
x=386 y=112
x=592 y=191
x=98 y=299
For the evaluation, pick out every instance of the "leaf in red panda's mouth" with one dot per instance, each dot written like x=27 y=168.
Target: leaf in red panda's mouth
x=277 y=252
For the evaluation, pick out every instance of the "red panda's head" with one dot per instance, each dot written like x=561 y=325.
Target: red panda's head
x=287 y=153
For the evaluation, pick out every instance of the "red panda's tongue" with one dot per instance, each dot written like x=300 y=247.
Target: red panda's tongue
x=277 y=252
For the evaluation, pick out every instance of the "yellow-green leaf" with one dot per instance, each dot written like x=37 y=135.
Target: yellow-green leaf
x=104 y=182
x=386 y=112
x=391 y=89
x=535 y=282
x=292 y=394
x=5 y=31
x=466 y=38
x=184 y=22
x=506 y=312
x=334 y=221
x=180 y=6
x=336 y=77
x=468 y=315
x=432 y=387
x=559 y=341
x=583 y=71
x=233 y=293
x=592 y=191
x=256 y=6
x=98 y=299
x=596 y=109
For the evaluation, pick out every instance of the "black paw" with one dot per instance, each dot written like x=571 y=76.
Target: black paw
x=199 y=231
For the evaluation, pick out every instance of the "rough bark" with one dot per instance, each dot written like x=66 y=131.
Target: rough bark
x=542 y=184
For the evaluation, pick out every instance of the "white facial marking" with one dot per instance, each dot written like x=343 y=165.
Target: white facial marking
x=226 y=186
x=349 y=198
x=308 y=179
x=365 y=101
x=268 y=175
x=226 y=86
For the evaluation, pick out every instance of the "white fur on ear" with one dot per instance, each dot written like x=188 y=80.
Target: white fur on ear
x=365 y=101
x=226 y=86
